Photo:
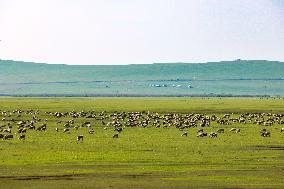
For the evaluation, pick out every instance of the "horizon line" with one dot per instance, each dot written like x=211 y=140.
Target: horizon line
x=178 y=62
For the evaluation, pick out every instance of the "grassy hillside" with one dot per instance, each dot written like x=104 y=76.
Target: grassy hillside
x=141 y=157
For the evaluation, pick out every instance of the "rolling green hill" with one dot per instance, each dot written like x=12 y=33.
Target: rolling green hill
x=240 y=77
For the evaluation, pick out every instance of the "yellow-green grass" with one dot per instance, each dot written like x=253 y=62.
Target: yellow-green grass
x=143 y=157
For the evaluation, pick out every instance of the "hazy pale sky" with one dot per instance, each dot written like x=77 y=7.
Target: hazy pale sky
x=140 y=31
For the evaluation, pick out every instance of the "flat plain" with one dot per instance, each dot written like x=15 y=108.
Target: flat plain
x=141 y=157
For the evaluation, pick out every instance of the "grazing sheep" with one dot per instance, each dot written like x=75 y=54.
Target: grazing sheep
x=115 y=136
x=184 y=134
x=212 y=135
x=1 y=135
x=86 y=123
x=201 y=134
x=80 y=137
x=282 y=129
x=7 y=130
x=31 y=127
x=23 y=130
x=118 y=129
x=66 y=131
x=91 y=131
x=21 y=123
x=235 y=130
x=265 y=134
x=200 y=131
x=22 y=137
x=7 y=137
x=41 y=128
x=262 y=130
x=220 y=131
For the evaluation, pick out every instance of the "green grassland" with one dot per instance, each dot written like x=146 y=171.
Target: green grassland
x=143 y=157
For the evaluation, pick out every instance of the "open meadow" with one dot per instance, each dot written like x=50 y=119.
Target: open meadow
x=138 y=143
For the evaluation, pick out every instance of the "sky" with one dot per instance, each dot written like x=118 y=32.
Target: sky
x=110 y=32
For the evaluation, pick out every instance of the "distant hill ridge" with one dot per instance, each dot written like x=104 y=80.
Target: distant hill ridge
x=15 y=71
x=39 y=79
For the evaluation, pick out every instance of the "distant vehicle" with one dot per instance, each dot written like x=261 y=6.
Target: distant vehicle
x=155 y=85
x=158 y=85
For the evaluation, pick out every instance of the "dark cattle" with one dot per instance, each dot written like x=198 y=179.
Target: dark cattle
x=80 y=137
x=220 y=131
x=22 y=137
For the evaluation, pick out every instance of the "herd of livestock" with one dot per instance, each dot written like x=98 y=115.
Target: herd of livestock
x=20 y=122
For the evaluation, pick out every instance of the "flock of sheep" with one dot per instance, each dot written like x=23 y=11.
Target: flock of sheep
x=21 y=121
